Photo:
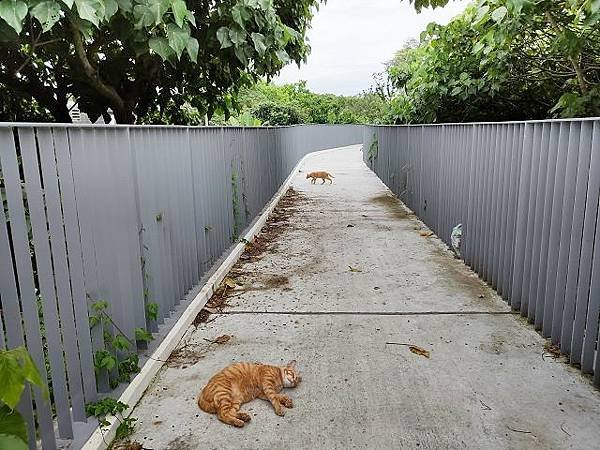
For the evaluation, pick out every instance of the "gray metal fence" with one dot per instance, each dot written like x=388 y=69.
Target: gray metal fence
x=526 y=195
x=127 y=215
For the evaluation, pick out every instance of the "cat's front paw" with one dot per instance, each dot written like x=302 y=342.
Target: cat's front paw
x=279 y=410
x=286 y=401
x=244 y=416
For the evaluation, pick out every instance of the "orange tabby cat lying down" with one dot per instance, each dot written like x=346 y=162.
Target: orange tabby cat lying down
x=242 y=382
x=322 y=175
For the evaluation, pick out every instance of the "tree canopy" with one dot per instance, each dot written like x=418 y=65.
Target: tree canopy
x=294 y=103
x=503 y=60
x=144 y=58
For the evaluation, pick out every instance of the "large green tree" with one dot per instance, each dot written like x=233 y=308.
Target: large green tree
x=145 y=58
x=503 y=60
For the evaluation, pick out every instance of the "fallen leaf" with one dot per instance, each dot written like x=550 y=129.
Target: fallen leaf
x=413 y=348
x=354 y=269
x=419 y=351
x=229 y=283
x=554 y=350
x=426 y=233
x=223 y=339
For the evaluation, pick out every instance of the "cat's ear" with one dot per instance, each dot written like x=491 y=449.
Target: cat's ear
x=292 y=364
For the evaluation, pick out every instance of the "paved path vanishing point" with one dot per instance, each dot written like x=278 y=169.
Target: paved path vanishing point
x=487 y=384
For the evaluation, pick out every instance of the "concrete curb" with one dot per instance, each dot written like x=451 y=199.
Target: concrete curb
x=100 y=439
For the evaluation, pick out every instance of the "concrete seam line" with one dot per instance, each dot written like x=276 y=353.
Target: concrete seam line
x=375 y=313
x=100 y=439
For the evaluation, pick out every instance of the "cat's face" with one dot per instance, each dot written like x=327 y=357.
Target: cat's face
x=290 y=374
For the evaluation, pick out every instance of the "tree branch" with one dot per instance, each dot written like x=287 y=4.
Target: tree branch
x=94 y=78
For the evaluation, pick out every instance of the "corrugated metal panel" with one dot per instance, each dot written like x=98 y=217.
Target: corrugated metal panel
x=527 y=194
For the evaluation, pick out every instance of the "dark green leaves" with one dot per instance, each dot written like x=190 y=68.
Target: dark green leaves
x=223 y=37
x=237 y=36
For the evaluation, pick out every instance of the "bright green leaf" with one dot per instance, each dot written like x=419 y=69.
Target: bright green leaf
x=111 y=7
x=12 y=381
x=180 y=12
x=120 y=342
x=143 y=16
x=143 y=335
x=192 y=50
x=478 y=47
x=481 y=15
x=47 y=13
x=161 y=47
x=178 y=38
x=259 y=43
x=12 y=424
x=90 y=10
x=13 y=12
x=12 y=442
x=283 y=56
x=499 y=14
x=125 y=5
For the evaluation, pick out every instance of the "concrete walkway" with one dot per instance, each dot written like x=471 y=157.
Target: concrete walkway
x=344 y=271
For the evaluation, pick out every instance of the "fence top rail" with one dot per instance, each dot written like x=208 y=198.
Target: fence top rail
x=508 y=122
x=198 y=127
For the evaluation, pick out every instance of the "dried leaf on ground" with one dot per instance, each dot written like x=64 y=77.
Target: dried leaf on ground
x=426 y=233
x=419 y=351
x=230 y=283
x=413 y=348
x=354 y=269
x=553 y=350
x=222 y=339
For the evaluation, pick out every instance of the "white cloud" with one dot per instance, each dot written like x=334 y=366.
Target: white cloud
x=351 y=39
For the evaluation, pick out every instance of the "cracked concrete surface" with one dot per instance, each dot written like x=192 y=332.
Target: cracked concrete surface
x=349 y=273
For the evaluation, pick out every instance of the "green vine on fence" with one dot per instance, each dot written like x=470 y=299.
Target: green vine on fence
x=16 y=368
x=107 y=407
x=373 y=149
x=119 y=353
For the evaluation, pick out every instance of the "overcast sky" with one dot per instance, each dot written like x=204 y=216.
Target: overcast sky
x=351 y=39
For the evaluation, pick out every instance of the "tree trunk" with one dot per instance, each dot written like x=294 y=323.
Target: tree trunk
x=124 y=115
x=61 y=113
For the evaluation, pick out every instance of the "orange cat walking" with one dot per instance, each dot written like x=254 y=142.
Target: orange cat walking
x=322 y=175
x=242 y=382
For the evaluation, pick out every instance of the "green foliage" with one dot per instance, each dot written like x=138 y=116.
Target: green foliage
x=119 y=357
x=294 y=104
x=143 y=335
x=104 y=408
x=373 y=149
x=273 y=114
x=16 y=368
x=152 y=311
x=144 y=60
x=502 y=60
